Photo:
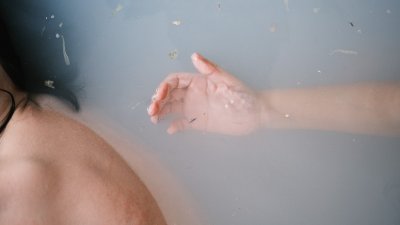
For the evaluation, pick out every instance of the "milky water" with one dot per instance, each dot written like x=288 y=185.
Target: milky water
x=124 y=48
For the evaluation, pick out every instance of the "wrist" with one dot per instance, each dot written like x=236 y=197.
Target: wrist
x=265 y=109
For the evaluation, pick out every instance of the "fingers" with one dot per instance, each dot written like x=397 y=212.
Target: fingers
x=175 y=107
x=178 y=80
x=178 y=125
x=203 y=65
x=161 y=100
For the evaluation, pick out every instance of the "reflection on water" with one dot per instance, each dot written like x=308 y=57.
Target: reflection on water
x=124 y=48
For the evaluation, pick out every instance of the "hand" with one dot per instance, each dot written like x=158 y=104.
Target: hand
x=212 y=101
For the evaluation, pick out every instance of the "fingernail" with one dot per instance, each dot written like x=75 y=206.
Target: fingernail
x=148 y=109
x=195 y=56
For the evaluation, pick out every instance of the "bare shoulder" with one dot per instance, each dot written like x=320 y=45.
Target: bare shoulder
x=56 y=165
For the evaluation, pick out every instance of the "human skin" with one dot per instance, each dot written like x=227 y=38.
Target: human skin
x=54 y=170
x=213 y=100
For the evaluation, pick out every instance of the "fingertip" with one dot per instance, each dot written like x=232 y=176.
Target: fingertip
x=153 y=108
x=154 y=119
x=203 y=65
x=195 y=56
x=171 y=130
x=174 y=127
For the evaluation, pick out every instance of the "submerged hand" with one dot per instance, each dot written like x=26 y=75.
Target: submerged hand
x=212 y=101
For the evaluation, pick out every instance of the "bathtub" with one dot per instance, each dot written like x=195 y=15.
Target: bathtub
x=122 y=49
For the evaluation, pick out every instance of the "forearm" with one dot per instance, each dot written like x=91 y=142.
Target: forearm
x=360 y=108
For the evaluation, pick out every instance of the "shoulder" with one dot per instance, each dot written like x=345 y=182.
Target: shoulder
x=55 y=159
x=39 y=131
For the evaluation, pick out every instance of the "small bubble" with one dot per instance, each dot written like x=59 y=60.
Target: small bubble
x=57 y=35
x=287 y=115
x=176 y=22
x=52 y=16
x=60 y=25
x=388 y=11
x=273 y=28
x=316 y=10
x=118 y=9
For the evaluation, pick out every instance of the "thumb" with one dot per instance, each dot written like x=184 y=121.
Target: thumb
x=203 y=65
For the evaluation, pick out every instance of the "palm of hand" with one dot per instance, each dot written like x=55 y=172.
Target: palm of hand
x=213 y=101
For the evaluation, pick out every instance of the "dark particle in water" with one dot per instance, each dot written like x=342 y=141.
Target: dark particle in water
x=351 y=24
x=192 y=120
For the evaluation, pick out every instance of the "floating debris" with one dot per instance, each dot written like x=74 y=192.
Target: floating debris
x=66 y=58
x=60 y=25
x=49 y=84
x=118 y=9
x=287 y=115
x=219 y=5
x=173 y=54
x=192 y=120
x=273 y=28
x=52 y=16
x=316 y=10
x=136 y=105
x=344 y=51
x=286 y=2
x=43 y=30
x=176 y=22
x=388 y=11
x=57 y=36
x=319 y=71
x=351 y=24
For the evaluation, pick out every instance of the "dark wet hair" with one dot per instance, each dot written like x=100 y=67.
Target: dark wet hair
x=34 y=78
x=4 y=121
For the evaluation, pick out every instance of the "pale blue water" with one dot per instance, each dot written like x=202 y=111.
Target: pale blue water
x=271 y=177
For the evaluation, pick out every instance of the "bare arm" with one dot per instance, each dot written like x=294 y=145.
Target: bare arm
x=215 y=101
x=360 y=108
